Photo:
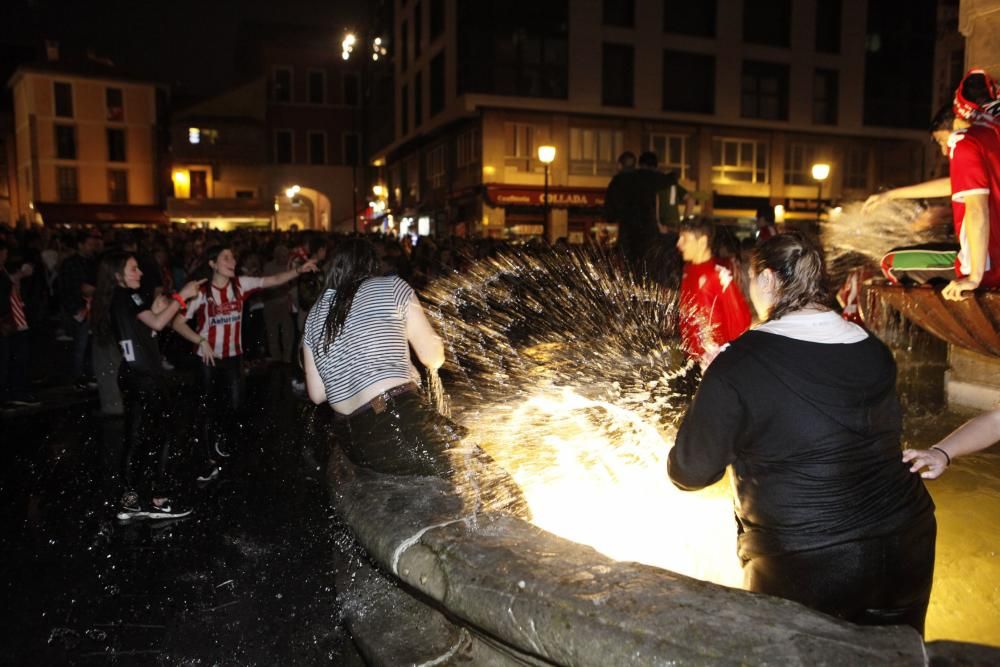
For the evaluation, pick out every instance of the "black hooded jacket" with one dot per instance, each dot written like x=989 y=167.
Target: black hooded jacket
x=812 y=432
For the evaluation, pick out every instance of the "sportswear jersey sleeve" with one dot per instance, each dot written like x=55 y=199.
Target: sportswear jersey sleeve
x=969 y=168
x=250 y=284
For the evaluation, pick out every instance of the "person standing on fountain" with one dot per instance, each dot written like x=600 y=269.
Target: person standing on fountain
x=119 y=312
x=218 y=312
x=356 y=349
x=712 y=309
x=804 y=410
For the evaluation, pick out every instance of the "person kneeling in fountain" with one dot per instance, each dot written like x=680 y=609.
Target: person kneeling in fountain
x=804 y=409
x=357 y=358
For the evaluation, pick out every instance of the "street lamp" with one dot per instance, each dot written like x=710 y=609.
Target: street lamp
x=820 y=172
x=546 y=154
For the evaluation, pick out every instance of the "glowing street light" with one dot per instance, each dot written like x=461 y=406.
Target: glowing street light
x=820 y=172
x=292 y=191
x=546 y=154
x=378 y=190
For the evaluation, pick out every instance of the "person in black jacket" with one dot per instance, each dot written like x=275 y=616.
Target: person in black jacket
x=804 y=410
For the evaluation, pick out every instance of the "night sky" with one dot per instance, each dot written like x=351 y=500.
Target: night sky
x=189 y=44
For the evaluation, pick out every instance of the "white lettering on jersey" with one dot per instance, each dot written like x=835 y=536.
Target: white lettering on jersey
x=128 y=352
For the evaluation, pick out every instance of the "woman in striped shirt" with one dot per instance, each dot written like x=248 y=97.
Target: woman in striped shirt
x=357 y=358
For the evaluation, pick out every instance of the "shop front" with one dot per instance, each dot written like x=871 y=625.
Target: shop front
x=534 y=212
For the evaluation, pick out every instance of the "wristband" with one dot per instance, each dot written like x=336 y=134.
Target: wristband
x=179 y=299
x=947 y=458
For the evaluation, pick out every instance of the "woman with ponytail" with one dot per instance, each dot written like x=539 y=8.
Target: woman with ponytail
x=119 y=313
x=804 y=410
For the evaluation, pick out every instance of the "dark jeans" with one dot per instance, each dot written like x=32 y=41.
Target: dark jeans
x=147 y=441
x=224 y=395
x=409 y=437
x=879 y=581
x=81 y=346
x=14 y=351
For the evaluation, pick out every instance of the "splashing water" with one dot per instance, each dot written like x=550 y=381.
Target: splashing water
x=874 y=233
x=570 y=375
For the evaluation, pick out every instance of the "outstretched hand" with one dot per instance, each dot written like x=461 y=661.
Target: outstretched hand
x=190 y=290
x=931 y=461
x=874 y=202
x=309 y=267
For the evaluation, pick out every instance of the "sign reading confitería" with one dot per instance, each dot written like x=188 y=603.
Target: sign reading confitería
x=526 y=195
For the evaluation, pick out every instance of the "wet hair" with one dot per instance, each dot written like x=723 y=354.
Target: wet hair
x=111 y=266
x=354 y=261
x=627 y=159
x=699 y=227
x=797 y=264
x=944 y=119
x=648 y=159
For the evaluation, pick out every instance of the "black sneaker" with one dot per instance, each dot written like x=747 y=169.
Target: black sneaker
x=211 y=474
x=166 y=511
x=129 y=508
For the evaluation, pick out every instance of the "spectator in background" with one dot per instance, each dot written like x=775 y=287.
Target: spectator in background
x=78 y=278
x=15 y=338
x=278 y=309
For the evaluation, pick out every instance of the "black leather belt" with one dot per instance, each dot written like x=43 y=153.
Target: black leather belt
x=378 y=404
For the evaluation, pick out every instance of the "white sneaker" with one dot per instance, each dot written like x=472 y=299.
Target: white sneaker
x=167 y=366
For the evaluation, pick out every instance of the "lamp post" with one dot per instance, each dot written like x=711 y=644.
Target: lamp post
x=546 y=154
x=820 y=172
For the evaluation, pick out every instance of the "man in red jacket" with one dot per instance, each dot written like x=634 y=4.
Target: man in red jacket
x=712 y=309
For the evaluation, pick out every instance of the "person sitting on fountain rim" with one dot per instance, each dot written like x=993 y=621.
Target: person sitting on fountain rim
x=974 y=187
x=712 y=309
x=804 y=410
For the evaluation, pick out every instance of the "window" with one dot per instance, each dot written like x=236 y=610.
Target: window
x=283 y=150
x=519 y=145
x=282 y=85
x=437 y=18
x=117 y=186
x=825 y=97
x=116 y=144
x=594 y=152
x=620 y=13
x=317 y=86
x=617 y=75
x=198 y=183
x=64 y=99
x=404 y=46
x=739 y=161
x=352 y=89
x=685 y=17
x=688 y=82
x=418 y=99
x=671 y=149
x=799 y=159
x=437 y=84
x=856 y=170
x=114 y=102
x=767 y=22
x=418 y=25
x=66 y=184
x=467 y=148
x=411 y=172
x=352 y=149
x=317 y=148
x=828 y=13
x=65 y=142
x=435 y=167
x=764 y=89
x=404 y=110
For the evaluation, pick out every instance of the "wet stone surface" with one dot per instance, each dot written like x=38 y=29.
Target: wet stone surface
x=248 y=579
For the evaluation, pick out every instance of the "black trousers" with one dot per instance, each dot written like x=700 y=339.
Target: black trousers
x=224 y=391
x=15 y=350
x=879 y=581
x=147 y=441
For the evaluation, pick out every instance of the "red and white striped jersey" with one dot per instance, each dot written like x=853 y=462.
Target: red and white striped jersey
x=218 y=314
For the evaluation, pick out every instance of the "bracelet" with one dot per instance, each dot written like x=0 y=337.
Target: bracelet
x=947 y=458
x=179 y=299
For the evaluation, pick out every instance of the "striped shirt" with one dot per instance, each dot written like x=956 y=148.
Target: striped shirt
x=218 y=314
x=371 y=347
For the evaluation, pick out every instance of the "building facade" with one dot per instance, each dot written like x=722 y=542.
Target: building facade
x=740 y=97
x=87 y=145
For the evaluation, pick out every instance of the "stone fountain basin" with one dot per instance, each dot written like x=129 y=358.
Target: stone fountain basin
x=493 y=589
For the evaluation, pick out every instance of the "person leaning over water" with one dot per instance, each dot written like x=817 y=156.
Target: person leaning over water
x=804 y=409
x=357 y=358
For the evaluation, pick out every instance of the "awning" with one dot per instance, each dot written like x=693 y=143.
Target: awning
x=229 y=208
x=533 y=195
x=100 y=214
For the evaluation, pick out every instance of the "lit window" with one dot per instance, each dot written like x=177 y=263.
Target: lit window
x=194 y=135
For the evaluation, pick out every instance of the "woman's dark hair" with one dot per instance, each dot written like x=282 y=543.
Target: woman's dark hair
x=111 y=266
x=354 y=260
x=797 y=264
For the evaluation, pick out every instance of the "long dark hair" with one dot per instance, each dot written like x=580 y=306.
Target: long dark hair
x=797 y=264
x=112 y=265
x=353 y=262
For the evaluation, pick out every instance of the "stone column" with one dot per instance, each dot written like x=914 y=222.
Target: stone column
x=979 y=22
